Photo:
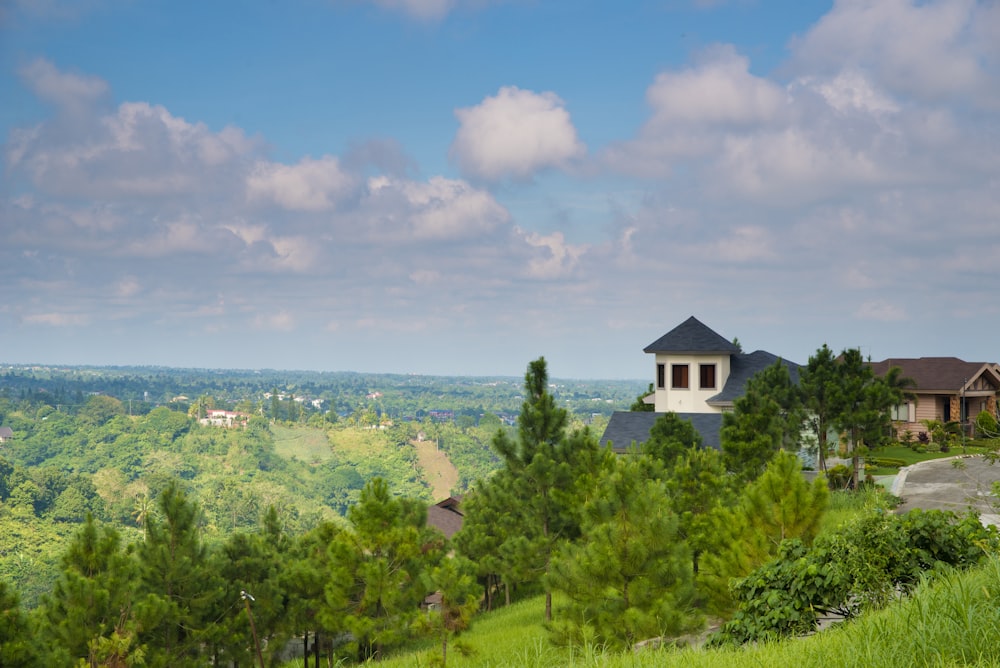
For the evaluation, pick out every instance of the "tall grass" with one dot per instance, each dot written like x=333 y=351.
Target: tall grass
x=951 y=619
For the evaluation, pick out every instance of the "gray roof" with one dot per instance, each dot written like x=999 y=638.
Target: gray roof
x=744 y=367
x=626 y=427
x=691 y=336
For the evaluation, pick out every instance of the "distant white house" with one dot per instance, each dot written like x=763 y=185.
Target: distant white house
x=222 y=418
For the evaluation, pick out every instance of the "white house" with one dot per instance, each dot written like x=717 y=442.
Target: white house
x=697 y=374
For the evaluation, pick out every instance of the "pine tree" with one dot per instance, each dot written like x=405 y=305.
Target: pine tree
x=379 y=570
x=697 y=485
x=777 y=506
x=670 y=437
x=92 y=599
x=17 y=643
x=179 y=586
x=818 y=382
x=629 y=577
x=765 y=419
x=454 y=579
x=537 y=465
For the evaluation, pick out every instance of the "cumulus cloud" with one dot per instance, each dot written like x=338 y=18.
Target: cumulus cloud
x=310 y=185
x=720 y=90
x=515 y=134
x=138 y=150
x=930 y=50
x=439 y=208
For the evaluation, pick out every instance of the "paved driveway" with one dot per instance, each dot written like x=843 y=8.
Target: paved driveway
x=956 y=483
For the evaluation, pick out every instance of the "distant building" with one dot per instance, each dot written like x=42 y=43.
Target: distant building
x=6 y=434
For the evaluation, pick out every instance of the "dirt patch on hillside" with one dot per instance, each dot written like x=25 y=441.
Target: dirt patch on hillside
x=439 y=472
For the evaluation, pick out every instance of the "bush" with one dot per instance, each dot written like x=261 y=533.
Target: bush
x=986 y=425
x=886 y=462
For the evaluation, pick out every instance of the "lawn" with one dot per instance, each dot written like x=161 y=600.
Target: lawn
x=910 y=456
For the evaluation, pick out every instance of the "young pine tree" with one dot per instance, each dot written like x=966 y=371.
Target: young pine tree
x=629 y=577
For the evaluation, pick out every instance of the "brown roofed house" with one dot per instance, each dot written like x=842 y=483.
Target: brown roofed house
x=6 y=434
x=947 y=389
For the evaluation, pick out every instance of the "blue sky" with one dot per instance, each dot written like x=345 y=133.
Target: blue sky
x=452 y=187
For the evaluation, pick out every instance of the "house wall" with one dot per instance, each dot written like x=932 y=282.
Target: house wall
x=693 y=399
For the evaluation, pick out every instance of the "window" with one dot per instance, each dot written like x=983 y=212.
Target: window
x=679 y=378
x=900 y=413
x=661 y=376
x=707 y=376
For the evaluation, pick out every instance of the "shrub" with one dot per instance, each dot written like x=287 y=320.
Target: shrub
x=986 y=425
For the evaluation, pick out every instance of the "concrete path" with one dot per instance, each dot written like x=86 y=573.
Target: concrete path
x=956 y=483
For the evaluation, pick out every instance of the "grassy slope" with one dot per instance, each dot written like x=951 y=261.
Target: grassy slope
x=307 y=444
x=954 y=621
x=438 y=470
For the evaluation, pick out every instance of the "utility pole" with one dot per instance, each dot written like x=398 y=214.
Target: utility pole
x=253 y=629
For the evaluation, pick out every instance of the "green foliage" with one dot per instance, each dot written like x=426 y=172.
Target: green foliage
x=379 y=570
x=179 y=587
x=455 y=582
x=93 y=597
x=629 y=577
x=779 y=505
x=17 y=642
x=861 y=568
x=670 y=437
x=986 y=425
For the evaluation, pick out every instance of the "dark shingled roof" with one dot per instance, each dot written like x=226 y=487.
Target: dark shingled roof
x=626 y=427
x=691 y=336
x=446 y=516
x=933 y=374
x=744 y=367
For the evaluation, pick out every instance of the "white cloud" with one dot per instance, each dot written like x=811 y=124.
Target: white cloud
x=514 y=135
x=931 y=50
x=62 y=88
x=554 y=257
x=310 y=185
x=139 y=150
x=720 y=90
x=437 y=209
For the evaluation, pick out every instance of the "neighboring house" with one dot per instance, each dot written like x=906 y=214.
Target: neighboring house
x=446 y=516
x=947 y=389
x=6 y=434
x=220 y=418
x=698 y=374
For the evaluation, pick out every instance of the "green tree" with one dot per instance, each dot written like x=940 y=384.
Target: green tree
x=537 y=466
x=697 y=486
x=17 y=643
x=629 y=577
x=671 y=437
x=765 y=419
x=818 y=382
x=379 y=570
x=92 y=599
x=454 y=580
x=779 y=505
x=252 y=564
x=179 y=587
